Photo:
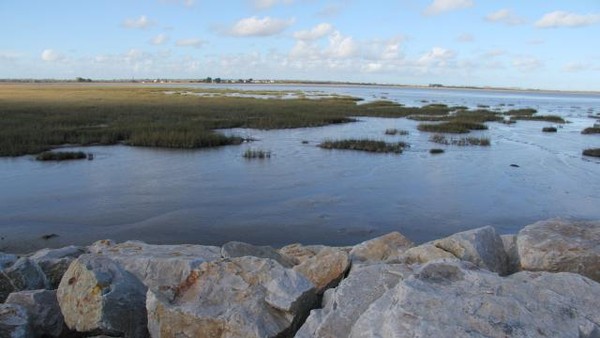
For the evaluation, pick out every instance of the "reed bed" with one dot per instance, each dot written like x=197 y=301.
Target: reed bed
x=463 y=141
x=595 y=152
x=591 y=130
x=364 y=145
x=61 y=156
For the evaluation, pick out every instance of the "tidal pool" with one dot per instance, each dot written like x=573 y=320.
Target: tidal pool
x=310 y=195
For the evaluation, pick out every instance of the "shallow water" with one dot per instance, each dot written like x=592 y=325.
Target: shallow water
x=311 y=195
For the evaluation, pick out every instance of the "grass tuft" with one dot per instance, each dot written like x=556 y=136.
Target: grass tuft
x=453 y=127
x=435 y=151
x=61 y=156
x=394 y=131
x=365 y=145
x=595 y=152
x=591 y=130
x=256 y=154
x=549 y=129
x=464 y=141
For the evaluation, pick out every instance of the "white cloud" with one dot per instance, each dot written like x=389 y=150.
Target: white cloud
x=527 y=63
x=186 y=3
x=266 y=4
x=465 y=37
x=574 y=67
x=142 y=22
x=494 y=53
x=566 y=19
x=330 y=10
x=192 y=42
x=505 y=16
x=254 y=26
x=9 y=55
x=50 y=55
x=341 y=46
x=315 y=33
x=440 y=6
x=159 y=39
x=436 y=57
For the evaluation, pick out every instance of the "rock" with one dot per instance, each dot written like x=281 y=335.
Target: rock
x=512 y=253
x=6 y=260
x=24 y=274
x=98 y=296
x=481 y=246
x=299 y=253
x=325 y=269
x=14 y=322
x=384 y=248
x=456 y=299
x=343 y=305
x=157 y=266
x=240 y=249
x=236 y=297
x=54 y=262
x=42 y=307
x=560 y=245
x=424 y=253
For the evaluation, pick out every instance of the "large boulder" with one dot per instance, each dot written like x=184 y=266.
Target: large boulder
x=342 y=306
x=235 y=297
x=388 y=247
x=24 y=274
x=42 y=307
x=241 y=249
x=560 y=245
x=299 y=253
x=14 y=322
x=96 y=295
x=425 y=253
x=325 y=269
x=54 y=262
x=457 y=299
x=482 y=247
x=157 y=266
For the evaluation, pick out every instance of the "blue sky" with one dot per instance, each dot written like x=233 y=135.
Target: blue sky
x=545 y=44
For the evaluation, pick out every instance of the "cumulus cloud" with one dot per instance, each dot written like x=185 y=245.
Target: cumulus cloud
x=505 y=16
x=440 y=6
x=192 y=42
x=315 y=33
x=341 y=46
x=574 y=67
x=159 y=39
x=142 y=22
x=50 y=55
x=255 y=26
x=436 y=57
x=527 y=63
x=266 y=4
x=566 y=19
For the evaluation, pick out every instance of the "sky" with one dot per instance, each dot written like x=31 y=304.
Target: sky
x=541 y=44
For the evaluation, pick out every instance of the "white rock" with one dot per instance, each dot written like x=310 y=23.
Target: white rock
x=560 y=245
x=388 y=247
x=325 y=269
x=237 y=297
x=14 y=322
x=456 y=299
x=42 y=307
x=54 y=262
x=241 y=249
x=97 y=295
x=481 y=246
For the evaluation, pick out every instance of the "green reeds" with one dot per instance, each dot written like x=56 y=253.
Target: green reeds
x=595 y=152
x=453 y=127
x=364 y=145
x=591 y=130
x=394 y=131
x=463 y=141
x=61 y=156
x=549 y=130
x=256 y=154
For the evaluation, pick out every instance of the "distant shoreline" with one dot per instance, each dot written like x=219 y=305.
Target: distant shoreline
x=290 y=83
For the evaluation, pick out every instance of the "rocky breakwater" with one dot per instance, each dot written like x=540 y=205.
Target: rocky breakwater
x=541 y=282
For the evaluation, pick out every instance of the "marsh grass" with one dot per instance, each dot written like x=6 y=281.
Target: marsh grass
x=595 y=152
x=435 y=151
x=591 y=130
x=394 y=131
x=61 y=156
x=452 y=127
x=364 y=145
x=521 y=112
x=463 y=141
x=256 y=154
x=546 y=118
x=549 y=129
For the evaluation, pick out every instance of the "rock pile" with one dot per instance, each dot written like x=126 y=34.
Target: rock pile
x=542 y=282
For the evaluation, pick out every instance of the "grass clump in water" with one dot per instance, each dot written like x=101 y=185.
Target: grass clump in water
x=595 y=152
x=453 y=127
x=435 y=151
x=256 y=154
x=61 y=156
x=591 y=130
x=546 y=118
x=549 y=129
x=394 y=131
x=521 y=112
x=463 y=141
x=364 y=145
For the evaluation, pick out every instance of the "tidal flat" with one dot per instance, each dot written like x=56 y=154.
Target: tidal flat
x=169 y=192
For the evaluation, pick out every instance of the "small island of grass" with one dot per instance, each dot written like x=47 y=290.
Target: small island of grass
x=463 y=141
x=452 y=127
x=549 y=129
x=256 y=154
x=594 y=152
x=365 y=145
x=394 y=131
x=591 y=130
x=61 y=156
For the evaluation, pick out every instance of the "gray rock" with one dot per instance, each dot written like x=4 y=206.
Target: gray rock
x=14 y=322
x=42 y=307
x=388 y=247
x=240 y=249
x=512 y=253
x=96 y=295
x=325 y=269
x=6 y=260
x=343 y=305
x=157 y=266
x=456 y=299
x=299 y=253
x=425 y=253
x=481 y=246
x=54 y=262
x=560 y=245
x=24 y=274
x=236 y=297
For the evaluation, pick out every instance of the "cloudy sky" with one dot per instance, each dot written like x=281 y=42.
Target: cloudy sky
x=546 y=44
